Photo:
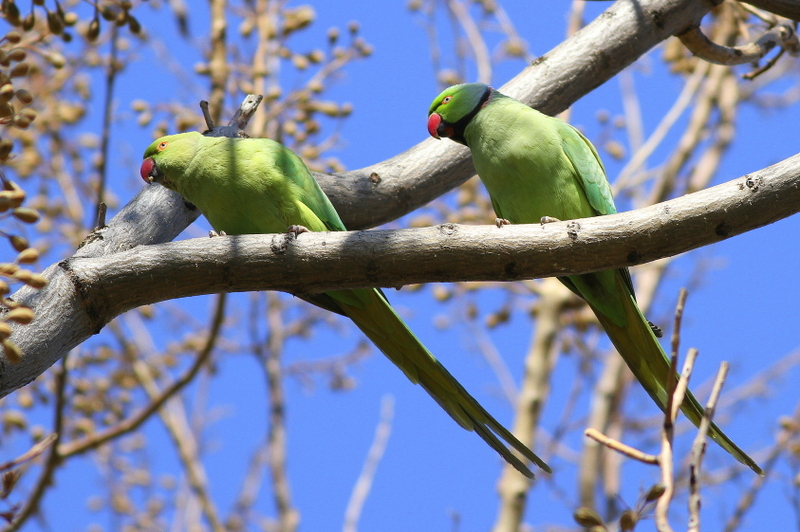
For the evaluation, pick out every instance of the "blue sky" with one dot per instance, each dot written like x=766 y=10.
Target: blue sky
x=744 y=311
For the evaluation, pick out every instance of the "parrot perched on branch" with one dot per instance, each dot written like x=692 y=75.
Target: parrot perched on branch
x=247 y=186
x=537 y=168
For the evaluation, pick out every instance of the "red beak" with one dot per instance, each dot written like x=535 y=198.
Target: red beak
x=146 y=170
x=433 y=124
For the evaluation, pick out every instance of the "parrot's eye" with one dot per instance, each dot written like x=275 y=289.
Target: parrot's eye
x=162 y=146
x=446 y=99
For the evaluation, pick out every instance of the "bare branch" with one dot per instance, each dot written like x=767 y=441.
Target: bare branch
x=620 y=447
x=699 y=448
x=782 y=34
x=86 y=293
x=364 y=483
x=784 y=8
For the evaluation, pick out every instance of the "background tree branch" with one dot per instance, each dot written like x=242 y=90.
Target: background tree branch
x=87 y=292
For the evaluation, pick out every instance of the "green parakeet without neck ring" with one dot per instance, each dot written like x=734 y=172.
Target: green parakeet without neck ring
x=536 y=166
x=246 y=186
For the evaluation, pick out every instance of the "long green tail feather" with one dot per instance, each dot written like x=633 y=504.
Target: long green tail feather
x=378 y=320
x=641 y=350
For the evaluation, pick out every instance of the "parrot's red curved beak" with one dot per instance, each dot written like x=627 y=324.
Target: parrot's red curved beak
x=147 y=170
x=434 y=121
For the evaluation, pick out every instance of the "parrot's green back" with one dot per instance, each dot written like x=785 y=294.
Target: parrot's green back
x=536 y=166
x=251 y=186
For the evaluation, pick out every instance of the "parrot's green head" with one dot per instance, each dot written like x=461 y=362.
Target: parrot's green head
x=166 y=158
x=452 y=110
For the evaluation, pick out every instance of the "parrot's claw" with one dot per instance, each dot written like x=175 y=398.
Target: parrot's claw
x=500 y=222
x=548 y=220
x=212 y=233
x=297 y=229
x=656 y=329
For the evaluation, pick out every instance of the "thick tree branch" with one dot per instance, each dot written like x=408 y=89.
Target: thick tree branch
x=85 y=293
x=784 y=8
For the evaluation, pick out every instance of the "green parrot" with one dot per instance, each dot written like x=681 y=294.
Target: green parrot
x=247 y=186
x=537 y=168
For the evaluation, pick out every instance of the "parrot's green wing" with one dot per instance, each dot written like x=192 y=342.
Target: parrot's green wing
x=588 y=168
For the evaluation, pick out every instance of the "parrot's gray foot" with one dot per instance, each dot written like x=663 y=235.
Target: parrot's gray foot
x=500 y=222
x=548 y=220
x=212 y=233
x=656 y=329
x=297 y=229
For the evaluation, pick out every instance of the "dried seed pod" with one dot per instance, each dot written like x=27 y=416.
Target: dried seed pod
x=12 y=12
x=37 y=281
x=19 y=70
x=316 y=56
x=26 y=256
x=13 y=37
x=26 y=215
x=655 y=493
x=628 y=520
x=70 y=18
x=5 y=330
x=333 y=35
x=56 y=59
x=587 y=517
x=93 y=31
x=8 y=268
x=18 y=243
x=22 y=122
x=21 y=315
x=6 y=92
x=24 y=97
x=134 y=25
x=17 y=54
x=300 y=62
x=13 y=352
x=297 y=18
x=108 y=12
x=54 y=23
x=29 y=21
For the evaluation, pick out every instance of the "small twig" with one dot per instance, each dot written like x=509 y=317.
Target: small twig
x=376 y=450
x=760 y=70
x=53 y=458
x=31 y=453
x=782 y=34
x=676 y=330
x=789 y=430
x=665 y=457
x=766 y=16
x=101 y=215
x=132 y=423
x=620 y=447
x=270 y=355
x=207 y=114
x=699 y=449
